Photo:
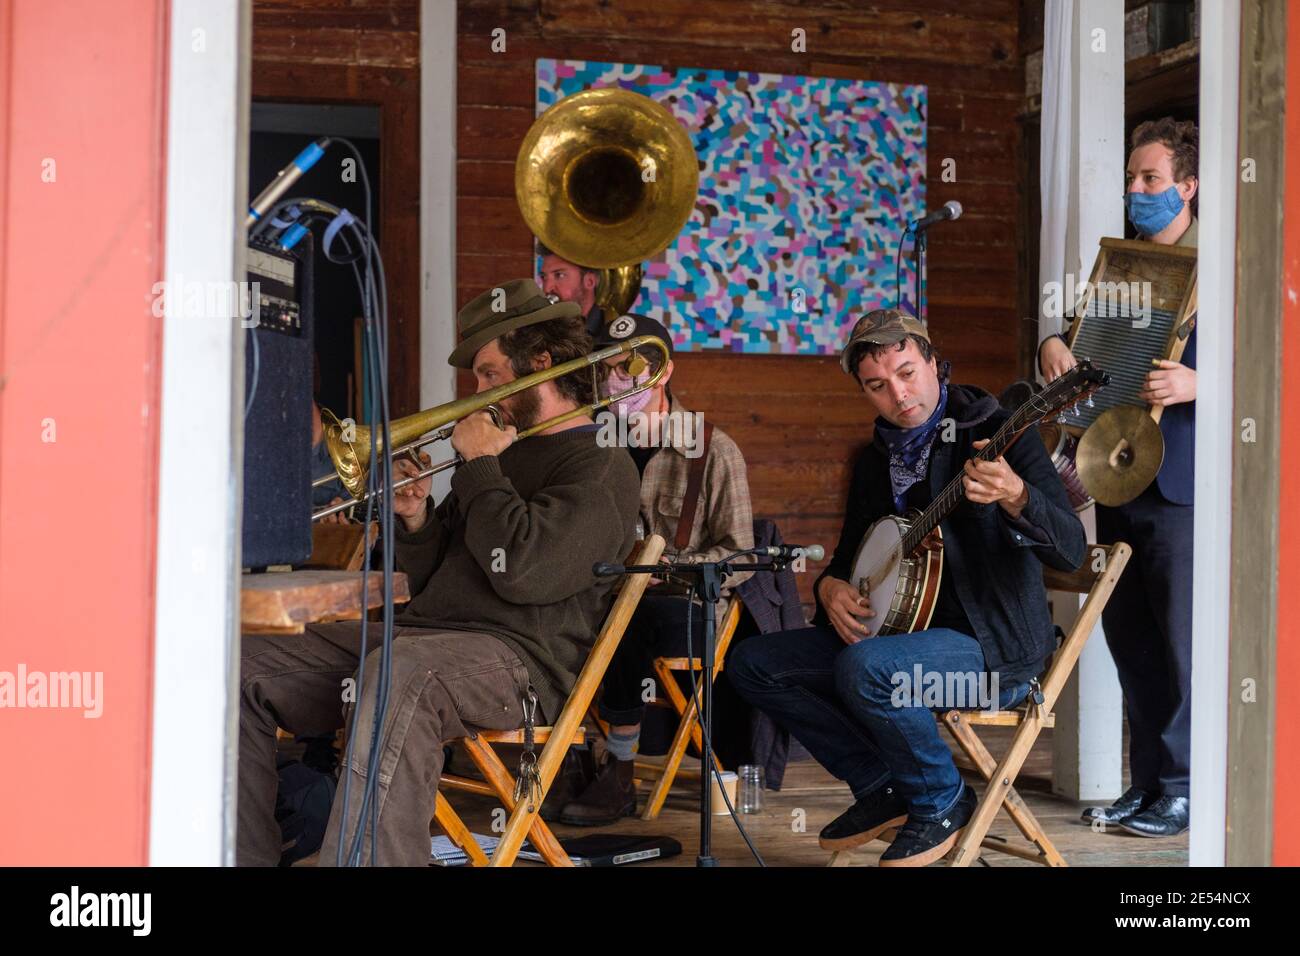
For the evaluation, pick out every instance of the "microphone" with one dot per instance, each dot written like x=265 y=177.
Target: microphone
x=284 y=179
x=603 y=569
x=813 y=552
x=951 y=210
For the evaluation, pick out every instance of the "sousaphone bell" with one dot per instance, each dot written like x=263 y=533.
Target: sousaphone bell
x=607 y=178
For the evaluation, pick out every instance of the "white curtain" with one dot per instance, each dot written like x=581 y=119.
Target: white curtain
x=1056 y=164
x=1082 y=175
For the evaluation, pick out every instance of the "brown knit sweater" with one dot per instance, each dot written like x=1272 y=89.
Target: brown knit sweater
x=510 y=551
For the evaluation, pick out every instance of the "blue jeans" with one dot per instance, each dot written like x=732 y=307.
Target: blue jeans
x=861 y=710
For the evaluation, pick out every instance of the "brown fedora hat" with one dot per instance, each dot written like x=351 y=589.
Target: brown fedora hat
x=511 y=305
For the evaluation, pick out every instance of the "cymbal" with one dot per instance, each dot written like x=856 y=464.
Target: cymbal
x=1120 y=454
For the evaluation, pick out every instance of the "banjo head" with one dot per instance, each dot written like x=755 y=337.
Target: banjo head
x=877 y=568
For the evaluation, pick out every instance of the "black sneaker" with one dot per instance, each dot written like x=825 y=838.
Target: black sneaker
x=861 y=823
x=921 y=842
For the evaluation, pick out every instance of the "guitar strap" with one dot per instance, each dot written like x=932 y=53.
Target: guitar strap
x=694 y=482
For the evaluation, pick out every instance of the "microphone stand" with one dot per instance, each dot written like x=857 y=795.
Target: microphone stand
x=918 y=256
x=711 y=575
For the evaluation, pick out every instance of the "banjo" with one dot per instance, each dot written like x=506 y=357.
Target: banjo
x=892 y=568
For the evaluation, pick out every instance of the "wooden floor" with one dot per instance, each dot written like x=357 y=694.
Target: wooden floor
x=785 y=833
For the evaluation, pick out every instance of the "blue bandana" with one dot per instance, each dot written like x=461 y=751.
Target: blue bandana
x=909 y=449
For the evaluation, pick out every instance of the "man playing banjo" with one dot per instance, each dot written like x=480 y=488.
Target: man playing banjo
x=837 y=688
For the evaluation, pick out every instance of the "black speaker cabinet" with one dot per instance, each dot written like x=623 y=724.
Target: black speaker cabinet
x=278 y=395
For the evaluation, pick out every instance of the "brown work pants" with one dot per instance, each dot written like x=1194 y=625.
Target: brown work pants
x=443 y=685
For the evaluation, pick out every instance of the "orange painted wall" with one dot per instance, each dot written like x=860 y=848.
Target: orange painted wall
x=84 y=87
x=1286 y=780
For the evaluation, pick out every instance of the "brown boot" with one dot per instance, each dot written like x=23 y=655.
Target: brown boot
x=607 y=799
x=577 y=771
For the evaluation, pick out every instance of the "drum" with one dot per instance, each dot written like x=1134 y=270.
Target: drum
x=1062 y=446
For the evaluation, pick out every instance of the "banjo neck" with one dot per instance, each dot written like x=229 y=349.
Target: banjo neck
x=1026 y=416
x=891 y=567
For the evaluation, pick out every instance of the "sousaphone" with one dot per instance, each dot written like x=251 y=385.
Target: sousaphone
x=607 y=178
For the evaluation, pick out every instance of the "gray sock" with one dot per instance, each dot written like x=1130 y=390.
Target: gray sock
x=623 y=746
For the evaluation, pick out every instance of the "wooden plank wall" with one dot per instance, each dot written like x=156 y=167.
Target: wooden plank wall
x=798 y=420
x=362 y=52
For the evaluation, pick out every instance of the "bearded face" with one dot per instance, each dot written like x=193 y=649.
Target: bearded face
x=522 y=410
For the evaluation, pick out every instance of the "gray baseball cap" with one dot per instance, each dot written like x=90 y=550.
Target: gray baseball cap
x=881 y=327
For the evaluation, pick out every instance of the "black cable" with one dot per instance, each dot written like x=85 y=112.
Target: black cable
x=387 y=518
x=365 y=258
x=898 y=273
x=257 y=369
x=379 y=491
x=371 y=493
x=706 y=725
x=374 y=309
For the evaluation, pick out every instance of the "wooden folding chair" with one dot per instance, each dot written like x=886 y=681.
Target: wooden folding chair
x=1029 y=719
x=555 y=740
x=688 y=726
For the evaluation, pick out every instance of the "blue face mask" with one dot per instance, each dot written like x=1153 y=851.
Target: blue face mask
x=1152 y=212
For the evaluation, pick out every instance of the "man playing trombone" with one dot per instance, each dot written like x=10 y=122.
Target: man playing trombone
x=504 y=604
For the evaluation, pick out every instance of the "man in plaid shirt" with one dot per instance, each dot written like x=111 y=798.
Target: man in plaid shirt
x=668 y=443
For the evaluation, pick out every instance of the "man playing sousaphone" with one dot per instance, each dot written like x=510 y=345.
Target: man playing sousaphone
x=570 y=282
x=504 y=603
x=838 y=692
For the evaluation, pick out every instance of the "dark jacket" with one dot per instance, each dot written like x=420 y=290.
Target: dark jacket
x=1176 y=479
x=994 y=562
x=772 y=599
x=596 y=322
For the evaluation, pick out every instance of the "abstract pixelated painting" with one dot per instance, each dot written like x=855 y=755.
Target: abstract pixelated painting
x=806 y=186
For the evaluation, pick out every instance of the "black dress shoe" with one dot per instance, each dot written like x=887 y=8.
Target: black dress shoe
x=1133 y=801
x=861 y=823
x=921 y=842
x=1168 y=816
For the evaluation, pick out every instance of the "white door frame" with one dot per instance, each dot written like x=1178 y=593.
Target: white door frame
x=196 y=633
x=1216 y=300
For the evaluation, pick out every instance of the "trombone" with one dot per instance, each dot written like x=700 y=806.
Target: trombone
x=349 y=445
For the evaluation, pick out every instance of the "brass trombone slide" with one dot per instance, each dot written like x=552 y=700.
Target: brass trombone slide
x=421 y=428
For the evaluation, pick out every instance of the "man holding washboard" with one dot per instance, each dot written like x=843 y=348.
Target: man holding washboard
x=1148 y=621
